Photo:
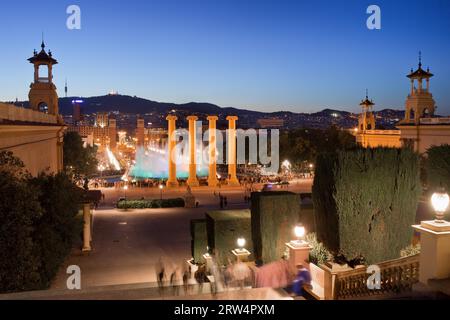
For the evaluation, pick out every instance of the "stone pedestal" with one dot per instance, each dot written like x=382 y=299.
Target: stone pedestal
x=86 y=227
x=435 y=250
x=241 y=254
x=298 y=254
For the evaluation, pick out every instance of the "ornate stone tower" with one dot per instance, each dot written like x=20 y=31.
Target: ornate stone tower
x=42 y=95
x=366 y=120
x=420 y=101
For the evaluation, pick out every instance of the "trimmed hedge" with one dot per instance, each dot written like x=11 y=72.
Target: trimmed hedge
x=274 y=216
x=199 y=239
x=365 y=201
x=224 y=227
x=150 y=203
x=438 y=167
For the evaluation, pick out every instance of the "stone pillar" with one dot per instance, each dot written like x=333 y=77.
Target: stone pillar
x=36 y=73
x=231 y=143
x=434 y=256
x=172 y=180
x=192 y=181
x=87 y=227
x=298 y=255
x=212 y=176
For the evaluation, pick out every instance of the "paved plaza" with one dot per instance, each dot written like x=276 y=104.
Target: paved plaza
x=127 y=244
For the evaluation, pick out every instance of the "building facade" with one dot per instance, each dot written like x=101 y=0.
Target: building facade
x=35 y=134
x=420 y=129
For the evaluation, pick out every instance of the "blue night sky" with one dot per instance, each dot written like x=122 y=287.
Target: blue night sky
x=299 y=55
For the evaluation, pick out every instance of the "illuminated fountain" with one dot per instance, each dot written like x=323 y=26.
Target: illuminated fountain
x=112 y=159
x=151 y=163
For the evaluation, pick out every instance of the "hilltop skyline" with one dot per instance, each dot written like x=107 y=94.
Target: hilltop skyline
x=299 y=56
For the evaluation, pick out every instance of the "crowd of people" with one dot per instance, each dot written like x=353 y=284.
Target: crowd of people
x=212 y=277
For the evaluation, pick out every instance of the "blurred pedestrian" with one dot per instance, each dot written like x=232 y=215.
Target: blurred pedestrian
x=200 y=277
x=174 y=281
x=160 y=276
x=301 y=281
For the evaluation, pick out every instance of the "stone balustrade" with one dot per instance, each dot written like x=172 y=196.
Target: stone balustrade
x=13 y=113
x=397 y=276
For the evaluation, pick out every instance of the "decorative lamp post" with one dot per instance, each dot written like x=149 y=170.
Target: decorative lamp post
x=434 y=254
x=299 y=232
x=125 y=188
x=440 y=201
x=241 y=244
x=160 y=191
x=240 y=252
x=298 y=249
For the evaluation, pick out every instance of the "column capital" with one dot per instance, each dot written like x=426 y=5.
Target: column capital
x=171 y=117
x=212 y=118
x=232 y=118
x=192 y=118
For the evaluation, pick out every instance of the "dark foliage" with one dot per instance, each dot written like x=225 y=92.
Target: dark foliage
x=37 y=225
x=151 y=203
x=78 y=161
x=438 y=167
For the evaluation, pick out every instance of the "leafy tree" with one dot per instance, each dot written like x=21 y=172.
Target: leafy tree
x=59 y=226
x=302 y=145
x=38 y=225
x=78 y=160
x=19 y=212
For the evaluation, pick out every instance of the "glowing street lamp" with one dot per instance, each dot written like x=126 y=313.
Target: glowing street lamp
x=440 y=201
x=299 y=232
x=125 y=188
x=241 y=243
x=161 y=187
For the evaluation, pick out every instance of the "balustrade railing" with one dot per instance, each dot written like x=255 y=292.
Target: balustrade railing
x=396 y=276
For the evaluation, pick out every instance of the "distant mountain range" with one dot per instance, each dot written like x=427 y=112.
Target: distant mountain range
x=247 y=118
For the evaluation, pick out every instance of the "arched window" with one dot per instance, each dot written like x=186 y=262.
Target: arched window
x=43 y=107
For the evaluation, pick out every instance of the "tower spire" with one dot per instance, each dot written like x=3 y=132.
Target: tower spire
x=420 y=59
x=367 y=93
x=42 y=44
x=65 y=88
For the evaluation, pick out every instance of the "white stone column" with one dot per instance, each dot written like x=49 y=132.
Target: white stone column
x=192 y=181
x=87 y=227
x=212 y=176
x=298 y=255
x=231 y=143
x=434 y=255
x=172 y=179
